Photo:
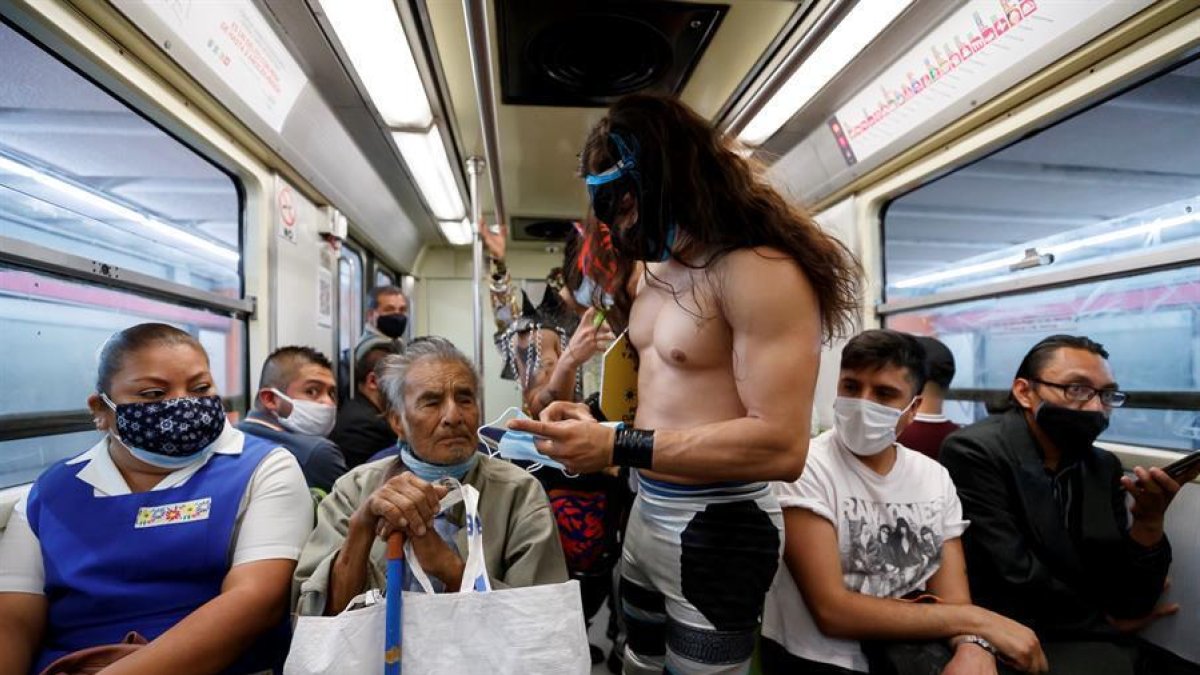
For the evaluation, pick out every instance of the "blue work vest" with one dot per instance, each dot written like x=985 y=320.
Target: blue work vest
x=141 y=562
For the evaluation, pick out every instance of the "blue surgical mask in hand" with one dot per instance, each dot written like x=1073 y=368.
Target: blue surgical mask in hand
x=514 y=445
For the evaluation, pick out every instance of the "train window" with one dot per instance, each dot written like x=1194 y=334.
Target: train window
x=106 y=221
x=1109 y=183
x=350 y=297
x=1149 y=323
x=1092 y=227
x=383 y=277
x=52 y=330
x=82 y=173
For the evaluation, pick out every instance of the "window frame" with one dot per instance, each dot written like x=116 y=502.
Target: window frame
x=26 y=256
x=1146 y=66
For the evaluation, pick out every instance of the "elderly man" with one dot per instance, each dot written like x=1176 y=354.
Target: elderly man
x=431 y=393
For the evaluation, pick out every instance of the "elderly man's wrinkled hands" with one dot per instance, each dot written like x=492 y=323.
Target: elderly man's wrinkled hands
x=404 y=503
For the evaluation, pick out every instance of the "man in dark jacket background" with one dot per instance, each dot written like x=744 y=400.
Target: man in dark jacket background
x=1052 y=543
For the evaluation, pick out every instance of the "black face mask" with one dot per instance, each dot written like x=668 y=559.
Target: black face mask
x=1072 y=431
x=392 y=325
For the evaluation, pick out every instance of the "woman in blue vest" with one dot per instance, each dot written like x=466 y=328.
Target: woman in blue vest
x=176 y=526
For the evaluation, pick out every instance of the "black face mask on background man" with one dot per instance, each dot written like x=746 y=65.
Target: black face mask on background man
x=392 y=325
x=1072 y=431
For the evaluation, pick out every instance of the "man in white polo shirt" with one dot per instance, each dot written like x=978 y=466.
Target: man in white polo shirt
x=870 y=525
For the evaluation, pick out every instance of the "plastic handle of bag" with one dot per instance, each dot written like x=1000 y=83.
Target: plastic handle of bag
x=475 y=576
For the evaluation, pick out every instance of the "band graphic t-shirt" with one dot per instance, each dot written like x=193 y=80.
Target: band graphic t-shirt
x=890 y=531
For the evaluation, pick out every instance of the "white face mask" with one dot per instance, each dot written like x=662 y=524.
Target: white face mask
x=865 y=428
x=308 y=417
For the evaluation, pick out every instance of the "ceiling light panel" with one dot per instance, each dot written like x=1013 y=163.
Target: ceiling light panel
x=427 y=161
x=375 y=42
x=457 y=232
x=852 y=34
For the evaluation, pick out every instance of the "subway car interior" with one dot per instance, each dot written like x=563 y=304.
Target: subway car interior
x=250 y=171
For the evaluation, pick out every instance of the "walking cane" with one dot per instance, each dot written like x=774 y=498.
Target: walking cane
x=393 y=638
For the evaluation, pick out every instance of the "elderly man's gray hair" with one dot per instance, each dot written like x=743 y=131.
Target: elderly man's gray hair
x=392 y=370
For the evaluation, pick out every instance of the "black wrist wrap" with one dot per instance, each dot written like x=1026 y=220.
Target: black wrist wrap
x=633 y=448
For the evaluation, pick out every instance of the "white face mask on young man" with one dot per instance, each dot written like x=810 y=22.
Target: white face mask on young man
x=865 y=427
x=308 y=417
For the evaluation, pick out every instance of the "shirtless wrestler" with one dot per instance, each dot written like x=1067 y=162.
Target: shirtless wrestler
x=736 y=295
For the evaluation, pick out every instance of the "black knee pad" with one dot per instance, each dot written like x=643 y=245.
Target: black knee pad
x=715 y=647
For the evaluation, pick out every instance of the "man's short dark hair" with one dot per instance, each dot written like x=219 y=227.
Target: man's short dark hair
x=283 y=366
x=875 y=349
x=1035 y=361
x=366 y=363
x=380 y=291
x=939 y=362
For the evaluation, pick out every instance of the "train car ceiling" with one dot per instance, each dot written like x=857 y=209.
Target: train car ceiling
x=277 y=73
x=373 y=101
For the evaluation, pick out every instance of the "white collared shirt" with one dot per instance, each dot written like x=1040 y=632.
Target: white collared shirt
x=932 y=419
x=273 y=519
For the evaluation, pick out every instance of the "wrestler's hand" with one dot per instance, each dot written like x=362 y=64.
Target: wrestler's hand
x=560 y=411
x=582 y=447
x=405 y=503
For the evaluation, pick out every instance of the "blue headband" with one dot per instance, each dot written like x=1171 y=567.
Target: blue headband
x=626 y=166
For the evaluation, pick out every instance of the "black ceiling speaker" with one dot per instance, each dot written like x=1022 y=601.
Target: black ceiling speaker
x=540 y=229
x=591 y=52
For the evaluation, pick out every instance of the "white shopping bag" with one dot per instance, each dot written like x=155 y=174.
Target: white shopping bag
x=519 y=631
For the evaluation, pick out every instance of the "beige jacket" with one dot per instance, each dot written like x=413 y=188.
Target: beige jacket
x=520 y=537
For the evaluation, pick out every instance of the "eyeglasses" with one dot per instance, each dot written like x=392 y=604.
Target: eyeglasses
x=1082 y=393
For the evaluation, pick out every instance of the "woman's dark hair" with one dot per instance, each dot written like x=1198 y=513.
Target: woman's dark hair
x=134 y=339
x=692 y=178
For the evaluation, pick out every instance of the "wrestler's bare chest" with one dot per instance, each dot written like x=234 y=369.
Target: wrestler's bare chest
x=677 y=323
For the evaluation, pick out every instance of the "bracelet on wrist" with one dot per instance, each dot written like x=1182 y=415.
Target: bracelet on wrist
x=633 y=448
x=976 y=640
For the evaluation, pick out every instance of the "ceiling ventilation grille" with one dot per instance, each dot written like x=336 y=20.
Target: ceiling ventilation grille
x=577 y=53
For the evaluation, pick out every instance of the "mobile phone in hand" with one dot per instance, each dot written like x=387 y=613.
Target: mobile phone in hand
x=1185 y=469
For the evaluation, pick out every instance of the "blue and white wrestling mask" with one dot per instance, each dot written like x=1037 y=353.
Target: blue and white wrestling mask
x=605 y=189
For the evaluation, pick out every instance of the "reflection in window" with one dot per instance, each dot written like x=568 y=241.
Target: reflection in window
x=22 y=460
x=52 y=331
x=1150 y=325
x=1111 y=181
x=82 y=173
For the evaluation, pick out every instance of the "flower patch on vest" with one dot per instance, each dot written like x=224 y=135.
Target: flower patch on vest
x=173 y=514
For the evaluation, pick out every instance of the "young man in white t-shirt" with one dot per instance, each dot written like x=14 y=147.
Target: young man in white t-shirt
x=870 y=522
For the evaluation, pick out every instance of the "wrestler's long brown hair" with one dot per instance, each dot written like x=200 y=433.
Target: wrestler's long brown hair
x=690 y=176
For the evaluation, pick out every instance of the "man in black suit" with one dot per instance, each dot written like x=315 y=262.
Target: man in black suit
x=1052 y=542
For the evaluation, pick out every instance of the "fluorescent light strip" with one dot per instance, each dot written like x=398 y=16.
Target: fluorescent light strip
x=457 y=232
x=1057 y=250
x=427 y=161
x=1116 y=235
x=968 y=270
x=123 y=212
x=852 y=34
x=373 y=37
